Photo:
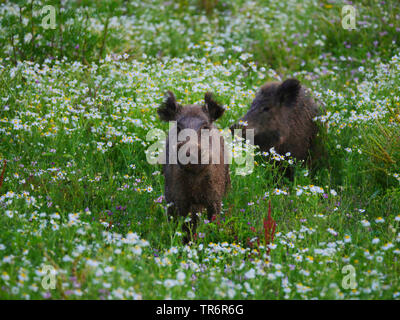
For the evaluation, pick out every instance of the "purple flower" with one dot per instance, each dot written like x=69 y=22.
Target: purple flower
x=47 y=295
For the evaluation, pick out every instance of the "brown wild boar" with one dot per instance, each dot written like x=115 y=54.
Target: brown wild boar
x=282 y=115
x=199 y=182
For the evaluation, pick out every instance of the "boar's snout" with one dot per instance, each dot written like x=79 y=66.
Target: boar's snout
x=240 y=129
x=189 y=156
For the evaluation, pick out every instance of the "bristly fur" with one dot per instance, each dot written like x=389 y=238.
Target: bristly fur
x=214 y=109
x=198 y=187
x=282 y=115
x=169 y=108
x=288 y=92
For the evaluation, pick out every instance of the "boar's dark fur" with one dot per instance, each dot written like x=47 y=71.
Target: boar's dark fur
x=282 y=115
x=192 y=188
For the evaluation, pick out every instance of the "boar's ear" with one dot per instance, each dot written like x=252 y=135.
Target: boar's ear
x=288 y=92
x=213 y=108
x=169 y=108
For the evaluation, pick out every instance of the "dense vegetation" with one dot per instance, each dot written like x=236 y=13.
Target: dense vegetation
x=76 y=191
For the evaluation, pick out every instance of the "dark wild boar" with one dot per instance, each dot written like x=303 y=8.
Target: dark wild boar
x=282 y=115
x=200 y=182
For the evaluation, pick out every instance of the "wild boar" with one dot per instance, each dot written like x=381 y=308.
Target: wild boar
x=199 y=181
x=282 y=115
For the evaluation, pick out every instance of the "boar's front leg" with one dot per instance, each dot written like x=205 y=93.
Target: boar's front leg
x=213 y=209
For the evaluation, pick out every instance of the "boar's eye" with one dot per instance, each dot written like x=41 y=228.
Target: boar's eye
x=266 y=108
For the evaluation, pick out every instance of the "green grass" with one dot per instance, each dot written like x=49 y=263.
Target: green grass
x=78 y=194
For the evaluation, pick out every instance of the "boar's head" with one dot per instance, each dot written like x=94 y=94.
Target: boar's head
x=270 y=112
x=192 y=123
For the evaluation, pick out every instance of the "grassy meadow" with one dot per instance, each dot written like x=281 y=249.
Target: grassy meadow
x=78 y=197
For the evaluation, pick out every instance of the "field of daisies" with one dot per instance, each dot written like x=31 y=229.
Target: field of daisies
x=82 y=212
